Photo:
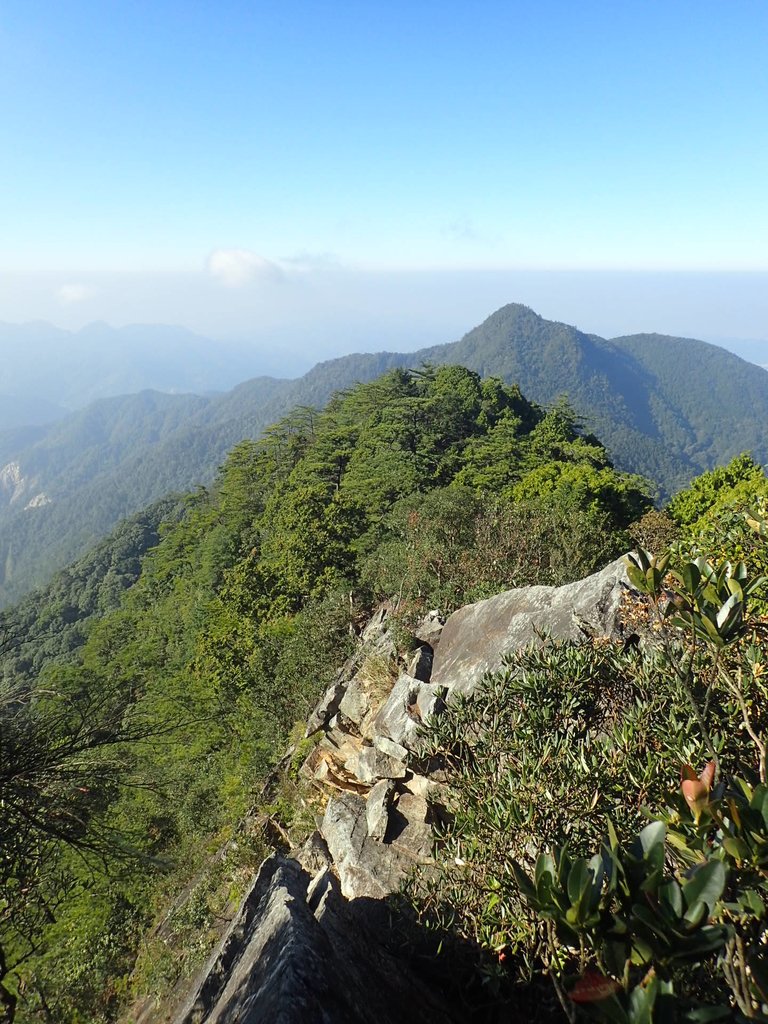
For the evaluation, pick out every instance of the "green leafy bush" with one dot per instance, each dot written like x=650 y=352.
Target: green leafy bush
x=565 y=736
x=665 y=924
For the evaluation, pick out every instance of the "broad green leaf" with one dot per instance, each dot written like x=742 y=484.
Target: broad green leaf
x=544 y=874
x=579 y=880
x=641 y=1002
x=671 y=897
x=691 y=576
x=736 y=848
x=708 y=629
x=637 y=578
x=733 y=602
x=745 y=788
x=651 y=836
x=696 y=914
x=759 y=802
x=751 y=902
x=706 y=885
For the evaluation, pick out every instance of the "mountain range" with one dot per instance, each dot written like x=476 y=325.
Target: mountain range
x=48 y=372
x=667 y=408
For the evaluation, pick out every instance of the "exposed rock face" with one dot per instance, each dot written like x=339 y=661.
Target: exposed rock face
x=377 y=822
x=39 y=501
x=476 y=637
x=300 y=950
x=298 y=953
x=13 y=485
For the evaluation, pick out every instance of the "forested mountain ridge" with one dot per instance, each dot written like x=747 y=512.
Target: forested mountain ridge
x=71 y=481
x=653 y=400
x=432 y=484
x=141 y=748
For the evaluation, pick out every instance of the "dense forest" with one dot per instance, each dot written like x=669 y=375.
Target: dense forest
x=149 y=691
x=651 y=400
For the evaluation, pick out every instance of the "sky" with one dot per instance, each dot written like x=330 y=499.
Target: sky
x=311 y=174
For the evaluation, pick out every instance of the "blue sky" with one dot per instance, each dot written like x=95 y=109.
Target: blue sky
x=245 y=144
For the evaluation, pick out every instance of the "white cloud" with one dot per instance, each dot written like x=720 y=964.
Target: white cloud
x=72 y=293
x=236 y=268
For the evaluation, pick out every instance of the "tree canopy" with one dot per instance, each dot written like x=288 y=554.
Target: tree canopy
x=191 y=662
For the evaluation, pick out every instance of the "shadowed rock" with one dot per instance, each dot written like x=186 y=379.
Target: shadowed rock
x=299 y=953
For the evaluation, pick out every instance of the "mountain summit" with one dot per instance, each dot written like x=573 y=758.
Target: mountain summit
x=667 y=408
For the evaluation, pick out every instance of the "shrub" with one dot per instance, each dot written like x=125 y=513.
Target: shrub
x=572 y=742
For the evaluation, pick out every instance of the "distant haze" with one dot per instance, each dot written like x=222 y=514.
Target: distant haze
x=317 y=179
x=287 y=316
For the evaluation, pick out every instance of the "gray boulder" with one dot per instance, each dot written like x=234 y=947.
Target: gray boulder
x=371 y=765
x=430 y=627
x=475 y=638
x=365 y=866
x=377 y=808
x=409 y=705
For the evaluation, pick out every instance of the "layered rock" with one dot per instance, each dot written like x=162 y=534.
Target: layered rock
x=297 y=952
x=477 y=636
x=294 y=953
x=377 y=822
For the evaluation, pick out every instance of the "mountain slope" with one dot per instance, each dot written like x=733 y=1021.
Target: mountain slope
x=719 y=396
x=667 y=408
x=655 y=400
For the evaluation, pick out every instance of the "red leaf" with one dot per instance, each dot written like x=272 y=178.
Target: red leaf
x=708 y=775
x=592 y=987
x=694 y=791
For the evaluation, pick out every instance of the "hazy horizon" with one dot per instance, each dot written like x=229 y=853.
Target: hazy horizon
x=317 y=181
x=301 y=317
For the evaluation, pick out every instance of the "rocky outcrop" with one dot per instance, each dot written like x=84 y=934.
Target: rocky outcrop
x=297 y=952
x=378 y=819
x=301 y=948
x=39 y=501
x=476 y=637
x=13 y=485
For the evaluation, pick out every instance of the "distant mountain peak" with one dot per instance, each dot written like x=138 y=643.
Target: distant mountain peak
x=514 y=311
x=665 y=407
x=96 y=327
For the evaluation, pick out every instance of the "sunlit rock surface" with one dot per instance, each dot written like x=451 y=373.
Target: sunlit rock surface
x=309 y=944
